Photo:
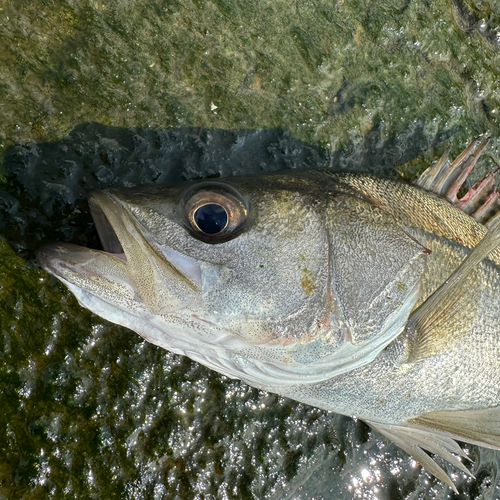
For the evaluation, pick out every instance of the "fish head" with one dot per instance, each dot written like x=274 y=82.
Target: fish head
x=239 y=274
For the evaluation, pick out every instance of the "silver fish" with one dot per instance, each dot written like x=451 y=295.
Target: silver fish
x=365 y=296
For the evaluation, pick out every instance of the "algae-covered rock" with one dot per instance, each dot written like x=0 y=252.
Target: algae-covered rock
x=327 y=71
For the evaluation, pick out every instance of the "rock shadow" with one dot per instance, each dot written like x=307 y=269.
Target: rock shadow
x=48 y=183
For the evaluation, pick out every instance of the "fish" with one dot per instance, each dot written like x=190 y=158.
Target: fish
x=373 y=298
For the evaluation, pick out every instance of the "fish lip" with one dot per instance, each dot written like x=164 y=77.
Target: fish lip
x=45 y=257
x=102 y=201
x=49 y=255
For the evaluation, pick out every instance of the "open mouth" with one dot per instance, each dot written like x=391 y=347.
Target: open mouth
x=64 y=260
x=123 y=236
x=164 y=278
x=107 y=235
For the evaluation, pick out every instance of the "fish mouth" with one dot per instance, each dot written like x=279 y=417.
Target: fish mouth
x=107 y=235
x=162 y=278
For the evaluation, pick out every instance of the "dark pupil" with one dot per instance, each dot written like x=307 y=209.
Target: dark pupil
x=211 y=218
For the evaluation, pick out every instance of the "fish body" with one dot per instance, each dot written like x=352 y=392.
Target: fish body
x=331 y=288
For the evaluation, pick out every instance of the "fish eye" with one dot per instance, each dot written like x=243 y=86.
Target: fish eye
x=211 y=218
x=215 y=215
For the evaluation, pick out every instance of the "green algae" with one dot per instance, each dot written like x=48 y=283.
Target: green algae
x=328 y=71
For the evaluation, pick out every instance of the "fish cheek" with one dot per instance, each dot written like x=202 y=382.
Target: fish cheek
x=271 y=281
x=269 y=293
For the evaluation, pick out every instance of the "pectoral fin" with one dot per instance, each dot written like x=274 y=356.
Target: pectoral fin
x=430 y=325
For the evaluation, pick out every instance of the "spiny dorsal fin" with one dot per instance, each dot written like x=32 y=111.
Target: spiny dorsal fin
x=415 y=439
x=426 y=325
x=446 y=178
